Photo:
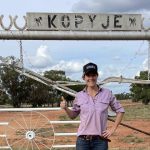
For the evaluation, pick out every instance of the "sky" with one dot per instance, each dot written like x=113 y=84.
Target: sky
x=114 y=58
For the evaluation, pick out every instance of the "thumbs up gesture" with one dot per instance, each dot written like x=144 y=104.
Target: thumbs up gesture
x=63 y=103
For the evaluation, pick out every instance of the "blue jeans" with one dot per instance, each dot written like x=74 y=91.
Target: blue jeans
x=94 y=144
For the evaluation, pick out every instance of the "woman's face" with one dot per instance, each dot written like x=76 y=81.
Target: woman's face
x=90 y=79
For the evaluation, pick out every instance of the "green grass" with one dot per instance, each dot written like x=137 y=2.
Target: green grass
x=63 y=118
x=70 y=126
x=137 y=112
x=66 y=118
x=132 y=139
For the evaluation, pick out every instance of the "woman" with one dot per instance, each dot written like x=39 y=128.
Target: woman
x=92 y=104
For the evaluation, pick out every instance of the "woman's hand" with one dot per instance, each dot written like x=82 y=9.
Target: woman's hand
x=108 y=133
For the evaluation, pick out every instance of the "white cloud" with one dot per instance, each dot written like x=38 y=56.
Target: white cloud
x=145 y=64
x=112 y=70
x=70 y=67
x=143 y=67
x=111 y=5
x=116 y=58
x=100 y=73
x=42 y=58
x=137 y=74
x=132 y=67
x=142 y=52
x=42 y=61
x=146 y=16
x=117 y=6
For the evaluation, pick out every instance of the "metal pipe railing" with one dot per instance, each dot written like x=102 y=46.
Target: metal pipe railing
x=74 y=35
x=69 y=134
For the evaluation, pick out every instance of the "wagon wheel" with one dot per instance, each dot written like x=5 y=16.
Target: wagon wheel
x=30 y=131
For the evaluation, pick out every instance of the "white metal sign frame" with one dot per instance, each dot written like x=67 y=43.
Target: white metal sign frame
x=81 y=27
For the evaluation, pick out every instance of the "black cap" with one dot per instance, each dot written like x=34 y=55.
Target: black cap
x=90 y=68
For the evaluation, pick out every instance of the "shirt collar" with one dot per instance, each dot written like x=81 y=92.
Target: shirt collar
x=99 y=89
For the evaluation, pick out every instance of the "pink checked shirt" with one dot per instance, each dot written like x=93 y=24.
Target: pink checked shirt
x=94 y=111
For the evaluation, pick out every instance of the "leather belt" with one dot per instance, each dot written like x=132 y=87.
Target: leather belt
x=92 y=137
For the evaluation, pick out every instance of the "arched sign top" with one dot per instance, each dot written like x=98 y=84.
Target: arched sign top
x=83 y=22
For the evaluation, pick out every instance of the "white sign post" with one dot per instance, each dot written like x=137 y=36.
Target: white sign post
x=83 y=22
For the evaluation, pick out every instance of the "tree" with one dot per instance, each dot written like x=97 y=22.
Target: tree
x=39 y=93
x=55 y=95
x=141 y=92
x=23 y=90
x=10 y=81
x=56 y=75
x=123 y=96
x=4 y=99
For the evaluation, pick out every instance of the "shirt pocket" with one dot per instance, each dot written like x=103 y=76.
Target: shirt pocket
x=84 y=107
x=102 y=105
x=84 y=112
